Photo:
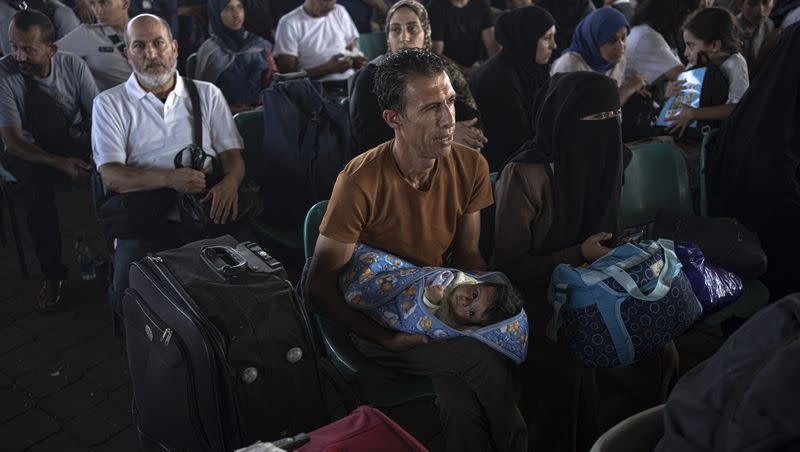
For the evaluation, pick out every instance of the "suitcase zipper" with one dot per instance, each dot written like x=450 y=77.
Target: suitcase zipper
x=165 y=339
x=213 y=336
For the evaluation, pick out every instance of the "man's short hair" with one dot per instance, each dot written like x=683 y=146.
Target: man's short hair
x=160 y=19
x=395 y=71
x=24 y=19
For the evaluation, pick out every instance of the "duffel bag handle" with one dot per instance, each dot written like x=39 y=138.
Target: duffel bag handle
x=224 y=260
x=664 y=283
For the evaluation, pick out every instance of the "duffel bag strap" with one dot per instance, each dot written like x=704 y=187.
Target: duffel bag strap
x=664 y=283
x=557 y=296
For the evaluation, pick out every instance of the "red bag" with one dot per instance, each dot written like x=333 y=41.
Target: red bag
x=365 y=429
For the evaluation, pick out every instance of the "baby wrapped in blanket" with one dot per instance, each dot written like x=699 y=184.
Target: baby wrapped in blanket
x=440 y=303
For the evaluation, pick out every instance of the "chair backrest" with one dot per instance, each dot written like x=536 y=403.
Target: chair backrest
x=251 y=128
x=707 y=137
x=638 y=433
x=486 y=241
x=656 y=178
x=191 y=65
x=311 y=226
x=373 y=44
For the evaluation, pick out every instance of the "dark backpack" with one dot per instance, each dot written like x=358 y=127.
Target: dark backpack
x=715 y=92
x=745 y=397
x=306 y=144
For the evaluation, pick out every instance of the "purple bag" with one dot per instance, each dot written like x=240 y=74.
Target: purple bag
x=714 y=287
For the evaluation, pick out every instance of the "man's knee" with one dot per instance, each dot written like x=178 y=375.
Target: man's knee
x=474 y=360
x=461 y=413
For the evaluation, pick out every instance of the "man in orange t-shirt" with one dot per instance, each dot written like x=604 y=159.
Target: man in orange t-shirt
x=419 y=196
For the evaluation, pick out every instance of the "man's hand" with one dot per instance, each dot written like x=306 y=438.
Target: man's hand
x=467 y=134
x=400 y=342
x=686 y=114
x=359 y=61
x=187 y=180
x=75 y=168
x=224 y=199
x=339 y=63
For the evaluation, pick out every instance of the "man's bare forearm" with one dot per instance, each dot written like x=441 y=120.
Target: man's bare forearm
x=233 y=165
x=127 y=179
x=326 y=295
x=25 y=150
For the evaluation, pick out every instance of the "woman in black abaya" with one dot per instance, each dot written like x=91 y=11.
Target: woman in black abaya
x=753 y=165
x=557 y=199
x=504 y=87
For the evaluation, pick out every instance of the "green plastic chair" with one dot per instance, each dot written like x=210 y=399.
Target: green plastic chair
x=251 y=127
x=707 y=137
x=656 y=178
x=638 y=433
x=755 y=294
x=376 y=386
x=373 y=44
x=191 y=65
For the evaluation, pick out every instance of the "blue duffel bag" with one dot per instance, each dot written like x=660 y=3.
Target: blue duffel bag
x=625 y=306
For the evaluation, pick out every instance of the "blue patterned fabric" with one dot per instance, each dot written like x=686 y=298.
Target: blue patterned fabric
x=614 y=318
x=390 y=289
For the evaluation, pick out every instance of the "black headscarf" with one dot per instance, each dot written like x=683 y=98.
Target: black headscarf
x=519 y=31
x=752 y=165
x=568 y=14
x=234 y=40
x=587 y=156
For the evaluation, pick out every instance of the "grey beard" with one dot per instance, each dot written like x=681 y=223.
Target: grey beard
x=156 y=81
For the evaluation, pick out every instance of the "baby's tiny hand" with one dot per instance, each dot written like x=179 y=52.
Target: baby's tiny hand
x=434 y=293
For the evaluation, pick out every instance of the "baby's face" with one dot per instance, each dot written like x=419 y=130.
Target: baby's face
x=470 y=303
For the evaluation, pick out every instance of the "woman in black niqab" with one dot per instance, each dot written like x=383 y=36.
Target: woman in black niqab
x=504 y=87
x=555 y=199
x=579 y=141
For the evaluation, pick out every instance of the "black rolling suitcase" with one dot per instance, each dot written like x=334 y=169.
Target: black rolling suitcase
x=220 y=349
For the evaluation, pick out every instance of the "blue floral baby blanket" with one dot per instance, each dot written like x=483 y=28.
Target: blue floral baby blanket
x=390 y=291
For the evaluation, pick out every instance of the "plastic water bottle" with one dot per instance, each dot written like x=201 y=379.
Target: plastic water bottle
x=85 y=260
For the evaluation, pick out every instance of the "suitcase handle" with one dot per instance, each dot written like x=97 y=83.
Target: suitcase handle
x=224 y=260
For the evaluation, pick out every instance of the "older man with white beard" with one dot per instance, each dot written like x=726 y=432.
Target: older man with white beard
x=138 y=128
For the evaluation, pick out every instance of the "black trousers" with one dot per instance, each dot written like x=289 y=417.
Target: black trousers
x=37 y=186
x=475 y=391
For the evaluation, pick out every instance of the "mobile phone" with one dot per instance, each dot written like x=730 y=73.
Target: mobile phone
x=633 y=235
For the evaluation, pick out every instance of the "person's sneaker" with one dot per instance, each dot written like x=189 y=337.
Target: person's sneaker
x=51 y=296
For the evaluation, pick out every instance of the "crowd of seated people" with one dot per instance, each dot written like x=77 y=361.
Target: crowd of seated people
x=531 y=92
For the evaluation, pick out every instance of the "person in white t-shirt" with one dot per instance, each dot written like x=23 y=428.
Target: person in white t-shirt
x=655 y=37
x=102 y=45
x=318 y=37
x=713 y=32
x=650 y=55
